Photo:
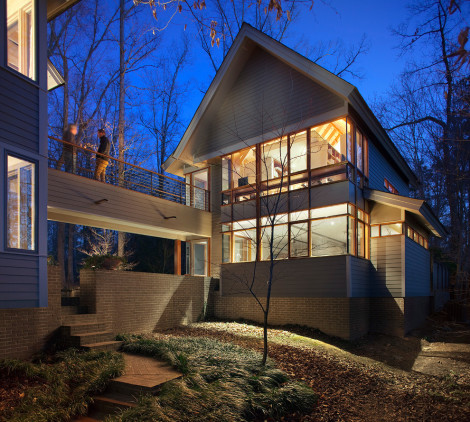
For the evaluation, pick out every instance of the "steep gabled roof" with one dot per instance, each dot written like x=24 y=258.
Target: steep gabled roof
x=418 y=207
x=57 y=7
x=235 y=60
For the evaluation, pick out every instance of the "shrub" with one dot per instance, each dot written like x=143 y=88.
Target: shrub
x=68 y=380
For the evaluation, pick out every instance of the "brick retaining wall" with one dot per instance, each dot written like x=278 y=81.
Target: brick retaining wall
x=130 y=302
x=24 y=332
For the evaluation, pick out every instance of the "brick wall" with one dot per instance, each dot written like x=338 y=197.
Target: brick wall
x=24 y=332
x=341 y=317
x=141 y=302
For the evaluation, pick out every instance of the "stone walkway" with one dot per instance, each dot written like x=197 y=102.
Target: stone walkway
x=142 y=375
x=146 y=372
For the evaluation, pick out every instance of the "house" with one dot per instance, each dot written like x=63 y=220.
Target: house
x=275 y=136
x=299 y=167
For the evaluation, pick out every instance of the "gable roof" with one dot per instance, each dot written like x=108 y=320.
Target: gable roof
x=418 y=207
x=238 y=54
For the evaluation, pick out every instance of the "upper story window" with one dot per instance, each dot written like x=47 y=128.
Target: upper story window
x=319 y=155
x=21 y=204
x=390 y=187
x=21 y=37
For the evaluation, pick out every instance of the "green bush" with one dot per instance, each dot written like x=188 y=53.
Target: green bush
x=67 y=381
x=221 y=382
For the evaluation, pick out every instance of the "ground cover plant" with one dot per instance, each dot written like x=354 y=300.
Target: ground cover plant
x=352 y=383
x=221 y=382
x=57 y=387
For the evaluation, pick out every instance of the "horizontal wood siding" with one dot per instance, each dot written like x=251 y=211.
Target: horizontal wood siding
x=72 y=199
x=418 y=269
x=380 y=169
x=361 y=272
x=306 y=277
x=19 y=112
x=387 y=271
x=268 y=95
x=18 y=281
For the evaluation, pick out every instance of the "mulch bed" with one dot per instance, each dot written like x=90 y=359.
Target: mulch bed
x=350 y=390
x=12 y=390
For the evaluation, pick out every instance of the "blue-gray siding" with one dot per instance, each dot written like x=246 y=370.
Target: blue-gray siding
x=267 y=96
x=387 y=266
x=418 y=269
x=380 y=168
x=306 y=277
x=18 y=281
x=360 y=276
x=19 y=112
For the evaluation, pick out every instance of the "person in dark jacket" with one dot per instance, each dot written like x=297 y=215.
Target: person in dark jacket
x=69 y=152
x=102 y=154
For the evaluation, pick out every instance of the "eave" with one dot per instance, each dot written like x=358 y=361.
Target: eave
x=418 y=207
x=57 y=7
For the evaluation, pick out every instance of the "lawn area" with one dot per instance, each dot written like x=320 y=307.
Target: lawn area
x=351 y=386
x=221 y=382
x=56 y=388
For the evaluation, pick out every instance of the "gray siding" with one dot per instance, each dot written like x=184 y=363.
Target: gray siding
x=361 y=271
x=306 y=277
x=267 y=96
x=19 y=112
x=418 y=269
x=18 y=281
x=380 y=168
x=387 y=261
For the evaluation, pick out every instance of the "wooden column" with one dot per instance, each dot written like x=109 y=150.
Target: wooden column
x=177 y=257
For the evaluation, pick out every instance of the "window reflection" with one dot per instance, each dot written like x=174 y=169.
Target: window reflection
x=21 y=204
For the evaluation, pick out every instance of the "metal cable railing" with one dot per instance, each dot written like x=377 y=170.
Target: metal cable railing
x=81 y=161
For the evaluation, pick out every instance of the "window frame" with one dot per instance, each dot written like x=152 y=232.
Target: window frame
x=35 y=44
x=33 y=251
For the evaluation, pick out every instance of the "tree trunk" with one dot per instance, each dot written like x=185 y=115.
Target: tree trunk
x=70 y=254
x=61 y=252
x=121 y=118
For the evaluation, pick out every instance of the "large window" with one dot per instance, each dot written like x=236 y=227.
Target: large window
x=328 y=144
x=330 y=152
x=332 y=230
x=21 y=204
x=21 y=36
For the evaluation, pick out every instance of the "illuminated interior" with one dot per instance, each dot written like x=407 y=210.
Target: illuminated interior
x=21 y=36
x=21 y=209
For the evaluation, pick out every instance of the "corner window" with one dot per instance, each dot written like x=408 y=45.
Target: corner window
x=21 y=37
x=21 y=204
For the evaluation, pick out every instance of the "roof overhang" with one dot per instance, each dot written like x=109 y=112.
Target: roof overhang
x=249 y=37
x=418 y=207
x=57 y=7
x=54 y=78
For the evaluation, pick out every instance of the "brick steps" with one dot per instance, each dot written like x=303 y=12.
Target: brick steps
x=81 y=328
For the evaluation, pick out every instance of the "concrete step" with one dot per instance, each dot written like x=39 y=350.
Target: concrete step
x=81 y=328
x=104 y=345
x=90 y=338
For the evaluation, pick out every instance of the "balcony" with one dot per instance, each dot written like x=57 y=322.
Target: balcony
x=128 y=176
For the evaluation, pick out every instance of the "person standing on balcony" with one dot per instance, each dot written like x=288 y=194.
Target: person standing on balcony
x=69 y=152
x=102 y=156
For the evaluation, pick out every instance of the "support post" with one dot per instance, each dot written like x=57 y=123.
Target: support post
x=177 y=257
